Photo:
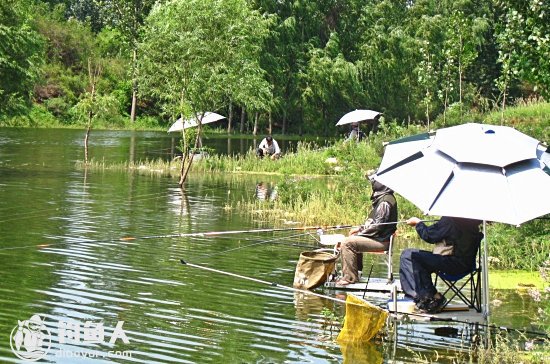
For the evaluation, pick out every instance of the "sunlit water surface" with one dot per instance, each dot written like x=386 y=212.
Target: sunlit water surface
x=85 y=249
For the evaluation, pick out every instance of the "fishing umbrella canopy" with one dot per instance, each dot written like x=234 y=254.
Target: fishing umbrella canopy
x=475 y=171
x=357 y=116
x=208 y=117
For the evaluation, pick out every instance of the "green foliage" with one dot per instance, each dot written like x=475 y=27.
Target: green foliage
x=300 y=65
x=524 y=42
x=102 y=107
x=194 y=51
x=20 y=56
x=38 y=116
x=456 y=115
x=64 y=83
x=531 y=118
x=146 y=122
x=329 y=81
x=526 y=247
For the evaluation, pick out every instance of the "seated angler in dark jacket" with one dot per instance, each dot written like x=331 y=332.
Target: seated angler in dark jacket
x=374 y=235
x=458 y=242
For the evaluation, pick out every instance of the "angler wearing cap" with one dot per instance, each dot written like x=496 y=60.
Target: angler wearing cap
x=269 y=146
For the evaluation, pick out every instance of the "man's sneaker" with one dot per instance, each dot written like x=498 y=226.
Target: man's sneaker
x=435 y=305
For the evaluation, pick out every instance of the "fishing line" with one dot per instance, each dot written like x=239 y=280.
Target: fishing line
x=201 y=234
x=270 y=241
x=272 y=284
x=179 y=235
x=38 y=213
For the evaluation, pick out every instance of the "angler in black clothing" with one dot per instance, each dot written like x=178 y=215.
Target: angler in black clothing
x=374 y=235
x=458 y=242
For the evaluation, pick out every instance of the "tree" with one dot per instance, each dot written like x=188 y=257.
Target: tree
x=331 y=87
x=389 y=56
x=197 y=55
x=20 y=55
x=128 y=17
x=463 y=38
x=524 y=41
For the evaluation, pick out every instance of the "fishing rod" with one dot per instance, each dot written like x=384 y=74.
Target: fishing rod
x=264 y=230
x=429 y=317
x=257 y=243
x=320 y=229
x=272 y=284
x=181 y=235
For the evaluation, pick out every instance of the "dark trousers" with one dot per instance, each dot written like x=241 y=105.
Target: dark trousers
x=416 y=268
x=260 y=153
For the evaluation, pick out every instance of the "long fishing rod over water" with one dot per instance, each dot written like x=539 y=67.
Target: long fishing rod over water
x=273 y=284
x=183 y=235
x=319 y=228
x=421 y=315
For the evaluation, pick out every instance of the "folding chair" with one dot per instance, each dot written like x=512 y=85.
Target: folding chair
x=388 y=256
x=333 y=239
x=466 y=286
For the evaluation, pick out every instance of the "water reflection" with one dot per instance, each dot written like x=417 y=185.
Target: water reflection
x=104 y=246
x=266 y=191
x=368 y=353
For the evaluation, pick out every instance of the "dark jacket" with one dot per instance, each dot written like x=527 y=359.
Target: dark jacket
x=462 y=234
x=384 y=210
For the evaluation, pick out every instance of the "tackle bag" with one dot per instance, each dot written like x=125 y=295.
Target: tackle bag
x=313 y=269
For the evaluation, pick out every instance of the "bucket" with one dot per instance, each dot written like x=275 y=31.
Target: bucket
x=313 y=269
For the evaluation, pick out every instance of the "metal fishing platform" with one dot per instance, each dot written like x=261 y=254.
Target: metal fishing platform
x=379 y=291
x=368 y=285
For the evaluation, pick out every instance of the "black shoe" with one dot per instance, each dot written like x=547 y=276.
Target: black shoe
x=421 y=304
x=435 y=305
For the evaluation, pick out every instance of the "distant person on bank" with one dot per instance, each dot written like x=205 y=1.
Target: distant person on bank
x=355 y=134
x=269 y=147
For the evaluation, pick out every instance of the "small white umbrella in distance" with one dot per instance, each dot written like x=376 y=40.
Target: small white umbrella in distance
x=357 y=116
x=208 y=117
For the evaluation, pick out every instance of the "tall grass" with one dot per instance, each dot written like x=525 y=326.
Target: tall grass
x=346 y=198
x=531 y=118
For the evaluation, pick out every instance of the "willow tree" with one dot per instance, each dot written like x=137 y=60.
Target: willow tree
x=197 y=54
x=331 y=87
x=389 y=55
x=128 y=16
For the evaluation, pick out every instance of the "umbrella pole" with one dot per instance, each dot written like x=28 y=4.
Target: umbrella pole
x=485 y=274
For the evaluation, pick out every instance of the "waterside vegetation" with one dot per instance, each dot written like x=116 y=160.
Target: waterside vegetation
x=345 y=200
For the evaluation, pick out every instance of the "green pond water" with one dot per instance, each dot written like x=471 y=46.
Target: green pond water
x=87 y=250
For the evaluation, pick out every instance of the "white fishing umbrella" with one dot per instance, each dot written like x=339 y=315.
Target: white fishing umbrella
x=208 y=117
x=401 y=149
x=357 y=116
x=472 y=171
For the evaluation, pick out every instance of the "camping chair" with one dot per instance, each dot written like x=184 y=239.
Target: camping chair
x=465 y=286
x=388 y=256
x=333 y=239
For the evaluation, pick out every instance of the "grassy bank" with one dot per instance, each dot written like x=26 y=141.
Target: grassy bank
x=346 y=198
